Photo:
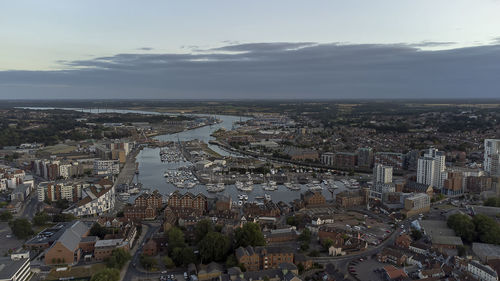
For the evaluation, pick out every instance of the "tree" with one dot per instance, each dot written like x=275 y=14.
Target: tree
x=314 y=253
x=231 y=261
x=168 y=262
x=98 y=230
x=416 y=234
x=183 y=256
x=213 y=247
x=5 y=216
x=202 y=228
x=492 y=202
x=293 y=221
x=148 y=262
x=461 y=250
x=249 y=235
x=463 y=226
x=118 y=258
x=487 y=229
x=41 y=219
x=21 y=228
x=305 y=236
x=175 y=238
x=304 y=246
x=327 y=243
x=107 y=274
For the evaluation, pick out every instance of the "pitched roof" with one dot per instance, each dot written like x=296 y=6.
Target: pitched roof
x=72 y=235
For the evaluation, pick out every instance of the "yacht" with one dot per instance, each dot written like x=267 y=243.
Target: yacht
x=124 y=196
x=134 y=190
x=315 y=187
x=295 y=186
x=268 y=197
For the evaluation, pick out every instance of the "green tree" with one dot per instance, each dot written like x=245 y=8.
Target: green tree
x=327 y=243
x=249 y=235
x=5 y=216
x=183 y=256
x=202 y=228
x=175 y=238
x=293 y=221
x=98 y=230
x=148 y=262
x=118 y=258
x=21 y=228
x=41 y=219
x=168 y=262
x=416 y=234
x=461 y=250
x=213 y=247
x=492 y=202
x=463 y=226
x=107 y=274
x=231 y=261
x=305 y=236
x=487 y=229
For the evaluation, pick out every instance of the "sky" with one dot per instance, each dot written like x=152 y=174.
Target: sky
x=257 y=49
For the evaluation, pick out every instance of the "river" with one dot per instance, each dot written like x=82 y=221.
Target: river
x=151 y=169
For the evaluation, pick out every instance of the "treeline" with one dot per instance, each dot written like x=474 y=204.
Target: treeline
x=481 y=228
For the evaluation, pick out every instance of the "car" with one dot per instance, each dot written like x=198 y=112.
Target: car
x=164 y=272
x=388 y=231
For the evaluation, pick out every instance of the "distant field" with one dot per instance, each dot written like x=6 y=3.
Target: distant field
x=59 y=148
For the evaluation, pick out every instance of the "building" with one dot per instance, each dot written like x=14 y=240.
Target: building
x=345 y=160
x=430 y=168
x=365 y=157
x=66 y=249
x=106 y=167
x=188 y=202
x=15 y=269
x=263 y=258
x=60 y=190
x=154 y=200
x=417 y=204
x=313 y=198
x=491 y=152
x=392 y=159
x=348 y=199
x=382 y=174
x=328 y=158
x=453 y=184
x=104 y=248
x=97 y=199
x=481 y=272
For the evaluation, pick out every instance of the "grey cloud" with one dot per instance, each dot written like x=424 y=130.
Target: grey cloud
x=272 y=70
x=145 y=49
x=432 y=44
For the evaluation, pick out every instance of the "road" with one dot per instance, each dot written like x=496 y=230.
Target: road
x=132 y=273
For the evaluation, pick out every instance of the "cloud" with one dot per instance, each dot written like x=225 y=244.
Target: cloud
x=424 y=44
x=145 y=49
x=272 y=70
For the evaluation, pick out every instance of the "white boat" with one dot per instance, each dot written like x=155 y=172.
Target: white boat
x=134 y=190
x=295 y=186
x=268 y=197
x=245 y=197
x=240 y=203
x=238 y=184
x=190 y=184
x=315 y=187
x=287 y=184
x=124 y=196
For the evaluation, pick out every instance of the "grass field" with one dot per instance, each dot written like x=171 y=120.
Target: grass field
x=59 y=148
x=76 y=272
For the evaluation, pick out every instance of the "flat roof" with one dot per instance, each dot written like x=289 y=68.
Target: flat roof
x=447 y=240
x=436 y=228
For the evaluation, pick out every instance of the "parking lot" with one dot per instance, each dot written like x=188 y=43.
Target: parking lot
x=367 y=270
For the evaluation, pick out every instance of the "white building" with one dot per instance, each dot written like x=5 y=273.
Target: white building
x=15 y=269
x=106 y=167
x=491 y=148
x=482 y=272
x=328 y=158
x=382 y=174
x=96 y=201
x=431 y=167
